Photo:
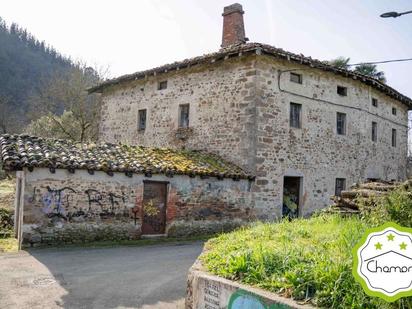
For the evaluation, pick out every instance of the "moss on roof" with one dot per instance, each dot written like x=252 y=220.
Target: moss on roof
x=19 y=151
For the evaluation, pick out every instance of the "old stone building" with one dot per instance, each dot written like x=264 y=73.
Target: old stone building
x=304 y=128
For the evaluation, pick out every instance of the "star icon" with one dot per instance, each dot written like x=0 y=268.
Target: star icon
x=391 y=237
x=403 y=246
x=378 y=246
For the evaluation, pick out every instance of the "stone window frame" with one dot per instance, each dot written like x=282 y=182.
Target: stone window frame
x=341 y=123
x=340 y=185
x=142 y=119
x=162 y=85
x=295 y=115
x=374 y=102
x=184 y=116
x=374 y=131
x=394 y=137
x=296 y=78
x=394 y=111
x=342 y=90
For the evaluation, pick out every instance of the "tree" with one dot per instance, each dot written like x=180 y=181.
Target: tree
x=8 y=116
x=64 y=109
x=371 y=70
x=340 y=62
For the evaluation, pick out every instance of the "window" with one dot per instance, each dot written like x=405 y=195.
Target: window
x=393 y=137
x=343 y=91
x=340 y=185
x=296 y=78
x=341 y=123
x=142 y=120
x=374 y=131
x=184 y=116
x=295 y=115
x=393 y=111
x=162 y=85
x=374 y=102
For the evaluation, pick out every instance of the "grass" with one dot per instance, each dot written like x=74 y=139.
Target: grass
x=7 y=193
x=306 y=259
x=8 y=245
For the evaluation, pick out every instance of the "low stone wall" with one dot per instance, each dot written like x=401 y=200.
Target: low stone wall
x=206 y=291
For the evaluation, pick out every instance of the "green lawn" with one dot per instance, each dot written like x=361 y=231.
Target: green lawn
x=306 y=259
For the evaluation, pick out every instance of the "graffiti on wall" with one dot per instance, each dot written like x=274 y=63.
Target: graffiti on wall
x=70 y=205
x=54 y=199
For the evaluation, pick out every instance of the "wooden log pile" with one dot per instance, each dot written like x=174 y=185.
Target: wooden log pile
x=346 y=203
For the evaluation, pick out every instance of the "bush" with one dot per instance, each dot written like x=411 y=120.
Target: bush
x=6 y=223
x=3 y=174
x=395 y=207
x=306 y=259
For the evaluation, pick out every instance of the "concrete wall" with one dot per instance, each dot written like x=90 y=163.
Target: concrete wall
x=65 y=207
x=238 y=111
x=212 y=292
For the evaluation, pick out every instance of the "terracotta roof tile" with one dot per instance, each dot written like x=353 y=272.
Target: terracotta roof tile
x=18 y=151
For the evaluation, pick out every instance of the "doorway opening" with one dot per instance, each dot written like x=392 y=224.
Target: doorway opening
x=291 y=197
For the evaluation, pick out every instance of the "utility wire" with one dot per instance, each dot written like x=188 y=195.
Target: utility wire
x=378 y=62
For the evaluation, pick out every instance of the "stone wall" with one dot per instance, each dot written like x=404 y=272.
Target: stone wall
x=221 y=98
x=80 y=207
x=238 y=111
x=315 y=151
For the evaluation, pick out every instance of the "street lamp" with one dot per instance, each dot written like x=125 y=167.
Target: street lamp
x=394 y=14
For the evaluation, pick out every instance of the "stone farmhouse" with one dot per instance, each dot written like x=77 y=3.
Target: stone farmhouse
x=300 y=125
x=250 y=132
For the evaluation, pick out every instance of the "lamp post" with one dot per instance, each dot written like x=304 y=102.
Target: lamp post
x=394 y=14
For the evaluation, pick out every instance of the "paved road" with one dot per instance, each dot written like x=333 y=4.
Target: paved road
x=123 y=277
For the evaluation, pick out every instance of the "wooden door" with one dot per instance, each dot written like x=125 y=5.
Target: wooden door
x=154 y=208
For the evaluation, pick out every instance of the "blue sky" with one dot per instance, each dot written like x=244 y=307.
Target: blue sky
x=129 y=35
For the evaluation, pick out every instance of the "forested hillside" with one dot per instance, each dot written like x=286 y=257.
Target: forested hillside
x=25 y=65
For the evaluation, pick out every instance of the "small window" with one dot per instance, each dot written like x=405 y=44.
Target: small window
x=393 y=137
x=374 y=102
x=343 y=91
x=296 y=78
x=162 y=85
x=295 y=115
x=184 y=116
x=142 y=120
x=340 y=185
x=341 y=123
x=374 y=131
x=394 y=111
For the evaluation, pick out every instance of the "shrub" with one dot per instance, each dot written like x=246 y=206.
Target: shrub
x=3 y=174
x=6 y=223
x=306 y=259
x=395 y=207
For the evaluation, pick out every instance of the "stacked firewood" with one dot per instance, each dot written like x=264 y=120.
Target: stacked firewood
x=346 y=203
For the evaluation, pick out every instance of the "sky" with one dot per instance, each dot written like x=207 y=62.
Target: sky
x=126 y=36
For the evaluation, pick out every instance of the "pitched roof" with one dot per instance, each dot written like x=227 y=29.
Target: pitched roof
x=257 y=48
x=18 y=151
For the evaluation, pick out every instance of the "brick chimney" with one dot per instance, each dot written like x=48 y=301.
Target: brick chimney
x=233 y=27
